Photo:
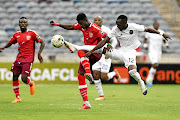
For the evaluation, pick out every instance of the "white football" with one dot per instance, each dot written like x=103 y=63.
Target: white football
x=57 y=41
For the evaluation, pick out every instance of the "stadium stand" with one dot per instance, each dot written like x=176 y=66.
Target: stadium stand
x=65 y=12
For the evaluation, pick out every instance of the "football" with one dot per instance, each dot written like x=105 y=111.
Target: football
x=57 y=41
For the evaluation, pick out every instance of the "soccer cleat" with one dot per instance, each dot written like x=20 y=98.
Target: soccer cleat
x=149 y=84
x=117 y=76
x=89 y=77
x=84 y=107
x=17 y=100
x=70 y=46
x=100 y=98
x=143 y=88
x=32 y=89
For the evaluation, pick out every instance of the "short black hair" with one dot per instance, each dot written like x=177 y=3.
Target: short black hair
x=155 y=21
x=123 y=17
x=81 y=16
x=22 y=18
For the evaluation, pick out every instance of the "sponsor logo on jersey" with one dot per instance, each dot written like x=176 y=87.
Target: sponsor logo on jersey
x=101 y=32
x=38 y=37
x=131 y=32
x=28 y=37
x=90 y=34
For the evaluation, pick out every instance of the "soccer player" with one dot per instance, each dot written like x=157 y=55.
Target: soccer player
x=127 y=34
x=92 y=35
x=155 y=51
x=26 y=39
x=102 y=66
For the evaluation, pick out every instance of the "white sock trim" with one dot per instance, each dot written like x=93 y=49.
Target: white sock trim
x=84 y=58
x=82 y=86
x=111 y=75
x=14 y=87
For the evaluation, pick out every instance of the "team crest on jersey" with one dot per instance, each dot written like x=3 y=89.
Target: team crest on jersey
x=90 y=34
x=131 y=32
x=28 y=37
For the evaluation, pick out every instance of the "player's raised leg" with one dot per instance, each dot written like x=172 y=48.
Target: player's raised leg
x=16 y=88
x=86 y=65
x=73 y=47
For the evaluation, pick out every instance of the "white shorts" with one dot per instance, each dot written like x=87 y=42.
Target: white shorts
x=154 y=57
x=102 y=65
x=126 y=55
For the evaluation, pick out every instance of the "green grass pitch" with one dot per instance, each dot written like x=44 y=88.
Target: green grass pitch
x=61 y=102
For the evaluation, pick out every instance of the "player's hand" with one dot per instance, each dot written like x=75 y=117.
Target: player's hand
x=109 y=48
x=54 y=23
x=51 y=22
x=40 y=58
x=88 y=54
x=1 y=49
x=166 y=36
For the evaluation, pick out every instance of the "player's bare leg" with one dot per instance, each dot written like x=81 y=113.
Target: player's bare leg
x=133 y=72
x=16 y=88
x=152 y=71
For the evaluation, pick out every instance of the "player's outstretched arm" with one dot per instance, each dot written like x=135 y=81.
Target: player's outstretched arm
x=99 y=45
x=6 y=46
x=150 y=30
x=67 y=27
x=40 y=51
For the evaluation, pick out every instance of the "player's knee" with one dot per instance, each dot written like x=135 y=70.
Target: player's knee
x=81 y=53
x=104 y=77
x=155 y=65
x=96 y=75
x=24 y=78
x=131 y=67
x=132 y=72
x=15 y=77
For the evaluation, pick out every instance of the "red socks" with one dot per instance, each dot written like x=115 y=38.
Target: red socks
x=16 y=88
x=83 y=87
x=29 y=82
x=84 y=61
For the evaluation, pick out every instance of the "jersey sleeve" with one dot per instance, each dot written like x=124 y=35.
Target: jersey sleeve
x=102 y=34
x=112 y=33
x=36 y=37
x=146 y=35
x=77 y=26
x=13 y=40
x=138 y=27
